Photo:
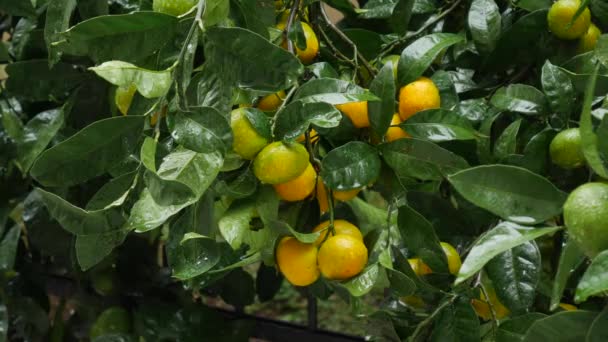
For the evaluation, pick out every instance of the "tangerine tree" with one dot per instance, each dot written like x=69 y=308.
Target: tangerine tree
x=448 y=157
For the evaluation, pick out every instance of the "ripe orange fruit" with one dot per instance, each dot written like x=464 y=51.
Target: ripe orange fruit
x=280 y=162
x=341 y=227
x=454 y=261
x=560 y=15
x=343 y=196
x=312 y=43
x=419 y=267
x=297 y=261
x=356 y=112
x=298 y=188
x=417 y=96
x=312 y=135
x=342 y=257
x=482 y=308
x=588 y=40
x=395 y=133
x=271 y=102
x=247 y=142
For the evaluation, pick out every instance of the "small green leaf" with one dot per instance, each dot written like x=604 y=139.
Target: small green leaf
x=191 y=256
x=381 y=112
x=8 y=250
x=351 y=166
x=503 y=237
x=506 y=144
x=401 y=284
x=332 y=91
x=484 y=24
x=520 y=98
x=377 y=9
x=215 y=12
x=18 y=8
x=563 y=326
x=363 y=283
x=37 y=134
x=259 y=121
x=114 y=193
x=203 y=130
x=570 y=258
x=595 y=279
x=457 y=322
x=510 y=192
x=149 y=83
x=146 y=214
x=58 y=15
x=439 y=125
x=420 y=54
x=589 y=139
x=323 y=70
x=296 y=118
x=282 y=228
x=559 y=90
x=514 y=329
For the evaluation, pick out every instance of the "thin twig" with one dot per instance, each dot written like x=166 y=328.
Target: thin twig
x=331 y=45
x=292 y=16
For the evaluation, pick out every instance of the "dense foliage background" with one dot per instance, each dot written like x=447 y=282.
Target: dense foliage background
x=153 y=212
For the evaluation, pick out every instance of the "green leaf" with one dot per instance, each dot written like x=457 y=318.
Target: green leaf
x=129 y=37
x=69 y=162
x=457 y=322
x=58 y=15
x=589 y=139
x=257 y=15
x=211 y=90
x=533 y=5
x=503 y=237
x=50 y=84
x=600 y=10
x=149 y=83
x=235 y=227
x=244 y=185
x=92 y=8
x=253 y=64
x=570 y=258
x=378 y=9
x=401 y=284
x=520 y=98
x=506 y=144
x=8 y=249
x=381 y=112
x=597 y=331
x=267 y=282
x=114 y=193
x=402 y=15
x=439 y=125
x=559 y=90
x=191 y=256
x=420 y=159
x=282 y=228
x=215 y=12
x=420 y=54
x=203 y=130
x=595 y=279
x=420 y=239
x=91 y=249
x=146 y=214
x=364 y=282
x=447 y=89
x=514 y=329
x=515 y=273
x=323 y=70
x=293 y=120
x=37 y=134
x=510 y=192
x=563 y=326
x=484 y=24
x=18 y=7
x=351 y=166
x=3 y=322
x=332 y=91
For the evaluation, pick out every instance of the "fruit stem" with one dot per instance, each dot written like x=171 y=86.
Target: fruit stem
x=292 y=16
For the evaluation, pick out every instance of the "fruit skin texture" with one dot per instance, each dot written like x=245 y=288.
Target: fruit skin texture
x=271 y=102
x=124 y=97
x=417 y=96
x=247 y=141
x=356 y=112
x=482 y=308
x=565 y=149
x=343 y=196
x=279 y=163
x=419 y=267
x=173 y=7
x=297 y=261
x=114 y=320
x=588 y=40
x=561 y=14
x=568 y=307
x=586 y=217
x=453 y=257
x=307 y=55
x=342 y=257
x=298 y=188
x=395 y=133
x=341 y=227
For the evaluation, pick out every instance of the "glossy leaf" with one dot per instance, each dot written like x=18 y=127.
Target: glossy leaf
x=514 y=329
x=510 y=192
x=114 y=193
x=419 y=55
x=421 y=159
x=3 y=322
x=8 y=249
x=37 y=134
x=149 y=83
x=439 y=125
x=457 y=322
x=375 y=9
x=589 y=140
x=563 y=326
x=129 y=37
x=297 y=117
x=597 y=331
x=146 y=214
x=282 y=228
x=351 y=166
x=248 y=61
x=533 y=5
x=558 y=89
x=332 y=91
x=363 y=283
x=501 y=238
x=520 y=98
x=401 y=284
x=211 y=90
x=18 y=7
x=215 y=12
x=484 y=24
x=595 y=279
x=202 y=130
x=515 y=274
x=506 y=144
x=195 y=254
x=68 y=162
x=570 y=258
x=58 y=15
x=381 y=112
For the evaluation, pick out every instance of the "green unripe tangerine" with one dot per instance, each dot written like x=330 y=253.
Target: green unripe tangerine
x=586 y=217
x=560 y=15
x=588 y=40
x=566 y=150
x=280 y=162
x=247 y=141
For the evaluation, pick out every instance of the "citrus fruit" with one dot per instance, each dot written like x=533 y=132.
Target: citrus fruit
x=413 y=301
x=395 y=133
x=451 y=254
x=356 y=112
x=342 y=257
x=346 y=195
x=343 y=196
x=394 y=60
x=271 y=102
x=561 y=14
x=588 y=40
x=341 y=227
x=419 y=267
x=312 y=134
x=297 y=261
x=114 y=320
x=586 y=217
x=565 y=149
x=124 y=97
x=173 y=7
x=482 y=308
x=568 y=307
x=417 y=96
x=298 y=188
x=247 y=141
x=312 y=43
x=280 y=162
